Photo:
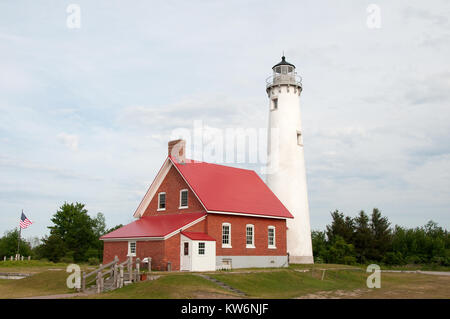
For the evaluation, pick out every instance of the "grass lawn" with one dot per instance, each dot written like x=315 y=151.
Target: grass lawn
x=40 y=284
x=172 y=286
x=290 y=283
x=296 y=281
x=34 y=266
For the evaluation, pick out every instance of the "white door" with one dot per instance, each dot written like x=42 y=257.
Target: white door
x=186 y=254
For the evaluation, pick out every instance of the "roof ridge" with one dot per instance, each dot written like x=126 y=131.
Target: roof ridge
x=192 y=161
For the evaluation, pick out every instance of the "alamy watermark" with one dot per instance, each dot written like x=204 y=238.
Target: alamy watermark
x=374 y=280
x=74 y=279
x=231 y=145
x=374 y=16
x=73 y=20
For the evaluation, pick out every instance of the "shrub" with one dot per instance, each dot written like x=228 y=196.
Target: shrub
x=349 y=260
x=94 y=261
x=392 y=258
x=68 y=258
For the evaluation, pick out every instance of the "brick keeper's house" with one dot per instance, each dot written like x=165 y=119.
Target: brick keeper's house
x=200 y=217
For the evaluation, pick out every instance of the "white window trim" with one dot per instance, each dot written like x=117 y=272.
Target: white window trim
x=129 y=248
x=229 y=236
x=274 y=246
x=253 y=236
x=184 y=207
x=161 y=209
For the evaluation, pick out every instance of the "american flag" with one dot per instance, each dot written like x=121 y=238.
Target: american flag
x=24 y=221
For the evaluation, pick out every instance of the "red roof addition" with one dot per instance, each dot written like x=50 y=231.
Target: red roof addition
x=154 y=226
x=228 y=189
x=197 y=236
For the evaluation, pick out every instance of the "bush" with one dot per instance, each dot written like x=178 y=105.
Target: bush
x=318 y=260
x=349 y=260
x=93 y=261
x=413 y=259
x=392 y=258
x=68 y=258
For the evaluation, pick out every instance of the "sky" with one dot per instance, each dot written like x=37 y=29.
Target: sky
x=87 y=109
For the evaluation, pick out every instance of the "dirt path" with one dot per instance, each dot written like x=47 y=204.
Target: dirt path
x=61 y=296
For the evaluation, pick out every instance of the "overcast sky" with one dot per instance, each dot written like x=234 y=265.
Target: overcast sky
x=86 y=113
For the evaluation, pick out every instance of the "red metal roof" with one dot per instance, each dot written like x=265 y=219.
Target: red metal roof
x=154 y=226
x=229 y=189
x=197 y=236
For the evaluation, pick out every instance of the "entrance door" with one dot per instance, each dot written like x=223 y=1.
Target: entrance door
x=186 y=255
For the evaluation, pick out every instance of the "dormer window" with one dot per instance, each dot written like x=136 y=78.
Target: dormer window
x=162 y=201
x=184 y=198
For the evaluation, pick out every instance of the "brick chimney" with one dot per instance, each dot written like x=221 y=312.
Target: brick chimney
x=177 y=149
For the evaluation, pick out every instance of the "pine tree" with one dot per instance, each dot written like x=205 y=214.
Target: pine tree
x=381 y=233
x=362 y=237
x=340 y=226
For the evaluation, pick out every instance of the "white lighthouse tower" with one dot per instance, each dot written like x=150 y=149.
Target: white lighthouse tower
x=286 y=175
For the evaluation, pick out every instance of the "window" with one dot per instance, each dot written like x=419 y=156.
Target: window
x=184 y=198
x=201 y=248
x=186 y=249
x=131 y=248
x=299 y=138
x=250 y=236
x=271 y=237
x=226 y=235
x=274 y=104
x=162 y=201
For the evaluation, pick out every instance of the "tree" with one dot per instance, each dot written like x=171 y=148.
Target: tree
x=340 y=226
x=381 y=234
x=73 y=227
x=341 y=252
x=53 y=248
x=362 y=237
x=8 y=244
x=319 y=246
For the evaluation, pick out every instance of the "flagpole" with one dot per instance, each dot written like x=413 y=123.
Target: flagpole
x=20 y=233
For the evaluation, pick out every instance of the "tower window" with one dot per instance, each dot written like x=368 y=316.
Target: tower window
x=274 y=104
x=299 y=138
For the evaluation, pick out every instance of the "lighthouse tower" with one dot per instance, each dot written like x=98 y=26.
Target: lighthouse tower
x=286 y=175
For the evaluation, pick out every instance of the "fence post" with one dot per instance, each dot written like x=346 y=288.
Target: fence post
x=116 y=275
x=83 y=281
x=11 y=258
x=169 y=266
x=149 y=264
x=138 y=268
x=129 y=268
x=99 y=283
x=21 y=258
x=121 y=277
x=29 y=258
x=4 y=258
